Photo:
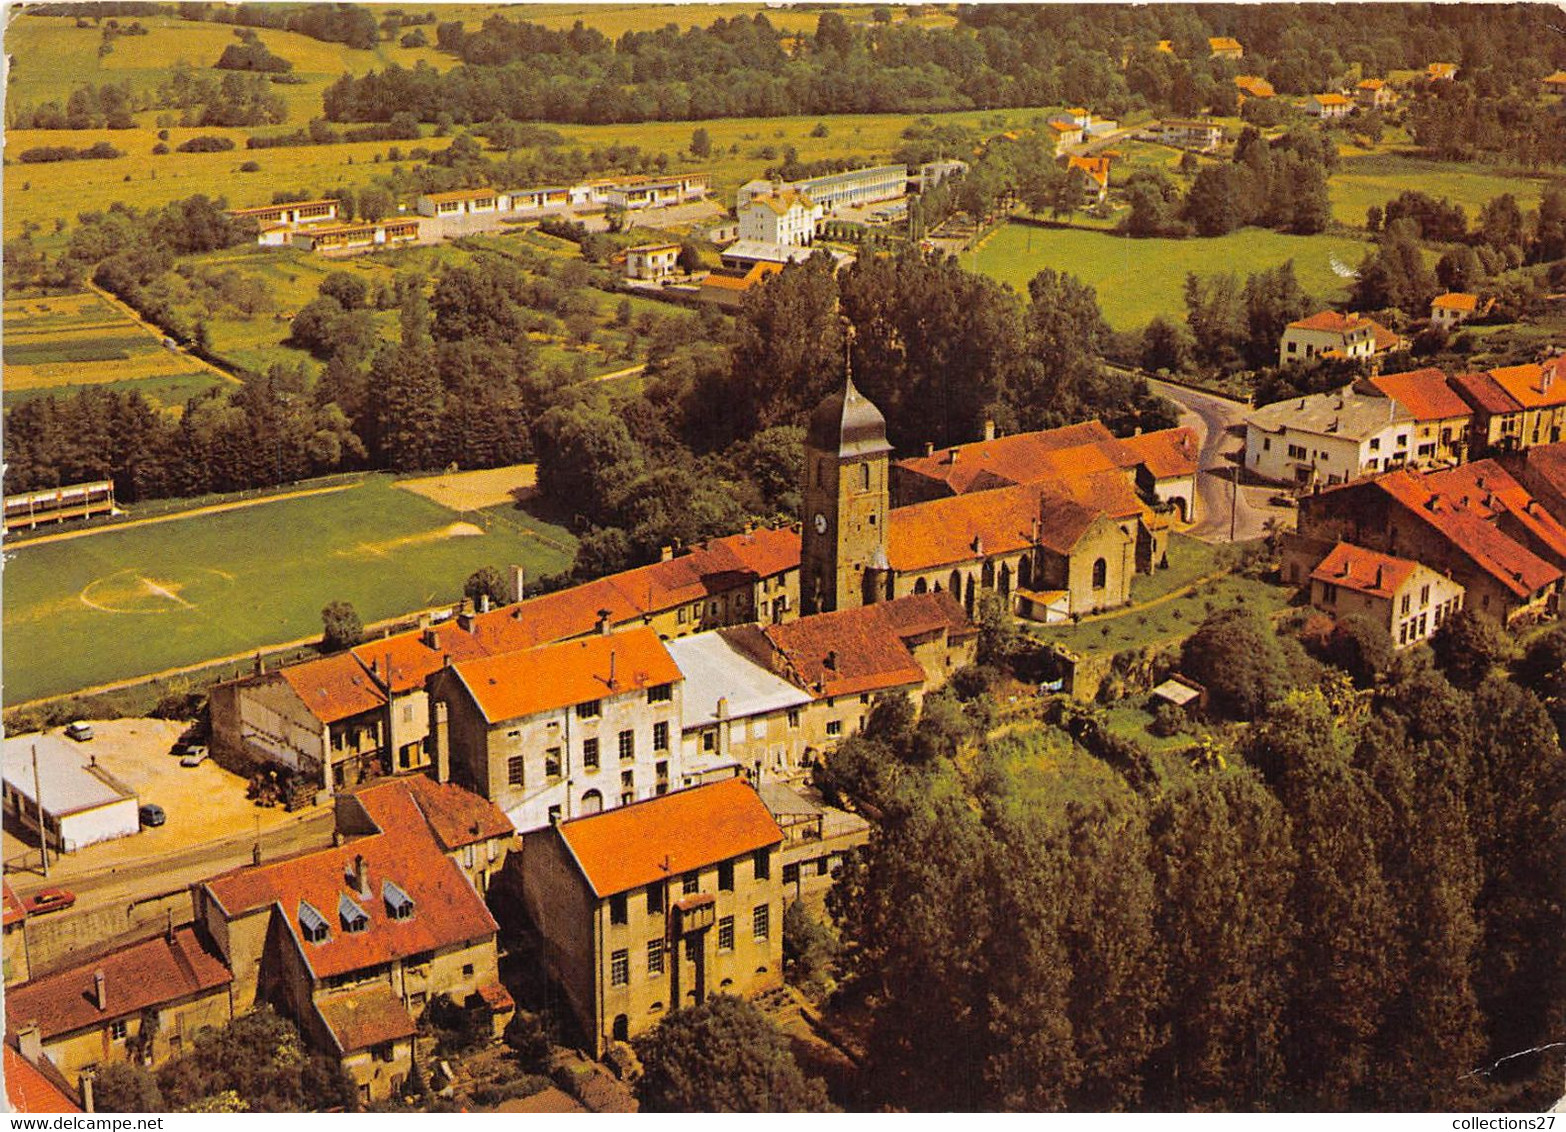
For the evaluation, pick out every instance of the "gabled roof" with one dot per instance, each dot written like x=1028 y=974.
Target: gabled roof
x=1559 y=77
x=1423 y=392
x=447 y=911
x=1483 y=392
x=29 y=1088
x=944 y=531
x=1515 y=567
x=455 y=816
x=1007 y=456
x=758 y=271
x=1254 y=85
x=1097 y=168
x=407 y=659
x=650 y=248
x=1534 y=386
x=552 y=677
x=1489 y=491
x=1352 y=412
x=658 y=839
x=1330 y=99
x=1455 y=301
x=334 y=687
x=783 y=201
x=1333 y=322
x=717 y=670
x=1223 y=43
x=152 y=972
x=1168 y=453
x=1364 y=571
x=364 y=1017
x=1372 y=84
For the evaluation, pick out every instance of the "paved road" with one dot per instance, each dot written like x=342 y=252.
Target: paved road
x=1219 y=422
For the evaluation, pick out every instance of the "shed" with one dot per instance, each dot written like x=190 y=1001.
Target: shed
x=82 y=803
x=1183 y=692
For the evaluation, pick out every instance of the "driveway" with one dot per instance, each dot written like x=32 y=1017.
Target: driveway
x=1227 y=511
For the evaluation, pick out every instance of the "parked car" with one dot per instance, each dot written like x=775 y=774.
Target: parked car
x=49 y=900
x=1284 y=499
x=152 y=814
x=79 y=731
x=195 y=755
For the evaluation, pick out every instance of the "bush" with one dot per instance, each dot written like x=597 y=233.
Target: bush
x=205 y=143
x=250 y=167
x=122 y=1087
x=160 y=149
x=457 y=1029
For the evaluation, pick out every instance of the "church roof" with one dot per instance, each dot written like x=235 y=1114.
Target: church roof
x=848 y=424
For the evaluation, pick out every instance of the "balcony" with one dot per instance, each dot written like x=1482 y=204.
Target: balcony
x=694 y=913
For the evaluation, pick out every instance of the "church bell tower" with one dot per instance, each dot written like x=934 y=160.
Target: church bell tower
x=844 y=501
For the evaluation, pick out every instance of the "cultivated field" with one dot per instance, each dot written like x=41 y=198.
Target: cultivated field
x=1138 y=279
x=56 y=344
x=123 y=602
x=1360 y=182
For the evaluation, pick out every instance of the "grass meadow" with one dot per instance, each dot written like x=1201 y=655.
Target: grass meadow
x=1138 y=279
x=60 y=343
x=1360 y=182
x=124 y=602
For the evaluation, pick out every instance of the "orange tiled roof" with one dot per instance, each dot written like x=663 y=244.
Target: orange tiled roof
x=1547 y=462
x=1534 y=386
x=1424 y=393
x=456 y=816
x=461 y=194
x=1558 y=78
x=1456 y=301
x=631 y=846
x=29 y=1089
x=334 y=687
x=853 y=651
x=1364 y=571
x=553 y=617
x=1329 y=100
x=1515 y=567
x=1489 y=491
x=1483 y=392
x=783 y=202
x=150 y=973
x=1021 y=450
x=1095 y=167
x=1383 y=338
x=364 y=1017
x=1333 y=321
x=1254 y=85
x=1169 y=453
x=1372 y=84
x=1223 y=43
x=552 y=677
x=945 y=531
x=446 y=910
x=407 y=659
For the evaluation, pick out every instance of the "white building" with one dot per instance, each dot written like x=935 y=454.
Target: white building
x=651 y=261
x=1329 y=437
x=82 y=803
x=1334 y=335
x=785 y=218
x=933 y=173
x=1454 y=307
x=1187 y=133
x=1328 y=106
x=736 y=714
x=855 y=187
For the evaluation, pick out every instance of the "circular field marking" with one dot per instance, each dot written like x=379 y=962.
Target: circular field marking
x=132 y=591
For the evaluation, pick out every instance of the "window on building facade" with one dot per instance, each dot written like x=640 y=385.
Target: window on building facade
x=655 y=957
x=1297 y=452
x=793 y=713
x=552 y=762
x=690 y=950
x=761 y=863
x=1100 y=573
x=834 y=728
x=660 y=693
x=627 y=745
x=690 y=883
x=726 y=934
x=725 y=876
x=1407 y=599
x=118 y=1030
x=619 y=910
x=790 y=874
x=554 y=815
x=761 y=921
x=655 y=899
x=592 y=709
x=661 y=736
x=709 y=740
x=590 y=754
x=1424 y=595
x=619 y=967
x=514 y=770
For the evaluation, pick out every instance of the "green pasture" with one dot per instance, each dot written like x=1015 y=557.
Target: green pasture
x=169 y=390
x=1138 y=279
x=1360 y=182
x=123 y=602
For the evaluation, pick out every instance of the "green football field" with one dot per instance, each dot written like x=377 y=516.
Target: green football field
x=123 y=603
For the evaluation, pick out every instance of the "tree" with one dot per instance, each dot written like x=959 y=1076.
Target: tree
x=1273 y=299
x=1164 y=346
x=723 y=1056
x=1215 y=313
x=350 y=291
x=257 y=1061
x=1242 y=662
x=486 y=581
x=125 y=1087
x=701 y=142
x=1362 y=648
x=1467 y=646
x=341 y=627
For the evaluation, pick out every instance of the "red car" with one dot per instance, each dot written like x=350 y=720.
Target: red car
x=49 y=900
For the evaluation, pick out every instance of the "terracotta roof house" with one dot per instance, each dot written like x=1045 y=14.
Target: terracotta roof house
x=1442 y=419
x=1485 y=488
x=342 y=939
x=471 y=830
x=1374 y=94
x=1455 y=307
x=1253 y=86
x=1441 y=72
x=1334 y=335
x=1542 y=470
x=1554 y=84
x=1224 y=47
x=658 y=905
x=157 y=993
x=1410 y=601
x=34 y=1086
x=1096 y=172
x=1328 y=106
x=1498 y=416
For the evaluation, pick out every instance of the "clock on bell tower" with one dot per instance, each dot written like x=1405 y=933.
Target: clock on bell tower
x=845 y=499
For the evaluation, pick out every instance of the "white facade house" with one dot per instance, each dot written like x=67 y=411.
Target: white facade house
x=1328 y=106
x=785 y=218
x=82 y=803
x=855 y=187
x=1186 y=133
x=651 y=261
x=1328 y=333
x=1455 y=307
x=1329 y=437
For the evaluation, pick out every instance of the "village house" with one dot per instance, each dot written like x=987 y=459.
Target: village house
x=1095 y=173
x=1064 y=132
x=277 y=221
x=142 y=1003
x=1441 y=72
x=471 y=831
x=81 y=803
x=1442 y=418
x=651 y=261
x=728 y=289
x=1193 y=134
x=1554 y=84
x=1253 y=86
x=1333 y=335
x=1542 y=471
x=816 y=840
x=648 y=908
x=1408 y=600
x=784 y=219
x=1374 y=94
x=1497 y=415
x=1224 y=47
x=1489 y=491
x=561 y=730
x=353 y=941
x=1541 y=391
x=1455 y=307
x=1329 y=437
x=360 y=237
x=1328 y=106
x=1400 y=514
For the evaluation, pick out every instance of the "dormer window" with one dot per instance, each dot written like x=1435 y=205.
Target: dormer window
x=399 y=905
x=354 y=918
x=312 y=923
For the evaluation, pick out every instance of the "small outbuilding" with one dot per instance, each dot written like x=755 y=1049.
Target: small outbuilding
x=1183 y=692
x=81 y=803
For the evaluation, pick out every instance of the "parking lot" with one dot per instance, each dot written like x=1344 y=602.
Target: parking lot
x=204 y=804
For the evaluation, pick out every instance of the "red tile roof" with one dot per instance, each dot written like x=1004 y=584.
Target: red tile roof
x=962 y=527
x=1534 y=386
x=1097 y=168
x=334 y=687
x=551 y=677
x=1509 y=563
x=29 y=1089
x=1002 y=455
x=1545 y=467
x=407 y=659
x=15 y=913
x=1486 y=489
x=364 y=1017
x=456 y=816
x=854 y=651
x=1423 y=392
x=447 y=911
x=1329 y=100
x=1332 y=321
x=1456 y=301
x=1483 y=392
x=151 y=973
x=1364 y=571
x=1170 y=453
x=631 y=846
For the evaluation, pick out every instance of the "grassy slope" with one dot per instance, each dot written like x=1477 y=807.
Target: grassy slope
x=1363 y=181
x=317 y=550
x=1138 y=279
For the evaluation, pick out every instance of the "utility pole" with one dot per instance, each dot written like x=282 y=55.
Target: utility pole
x=1234 y=499
x=43 y=832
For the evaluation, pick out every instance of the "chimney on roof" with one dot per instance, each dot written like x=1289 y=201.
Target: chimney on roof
x=100 y=991
x=951 y=456
x=603 y=623
x=29 y=1039
x=430 y=638
x=722 y=711
x=424 y=620
x=989 y=428
x=1343 y=571
x=1546 y=378
x=86 y=1082
x=978 y=544
x=666 y=554
x=465 y=620
x=483 y=603
x=1038 y=529
x=360 y=880
x=515 y=583
x=831 y=660
x=1379 y=569
x=929 y=448
x=260 y=664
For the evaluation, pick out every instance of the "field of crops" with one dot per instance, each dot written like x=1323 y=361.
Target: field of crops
x=1138 y=279
x=123 y=602
x=57 y=343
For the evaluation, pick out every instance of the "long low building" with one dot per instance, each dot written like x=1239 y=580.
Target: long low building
x=82 y=804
